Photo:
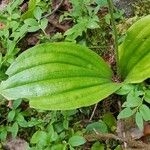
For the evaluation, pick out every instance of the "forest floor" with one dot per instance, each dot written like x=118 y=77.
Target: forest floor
x=30 y=126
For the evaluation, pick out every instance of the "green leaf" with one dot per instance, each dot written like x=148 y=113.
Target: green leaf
x=32 y=4
x=44 y=23
x=76 y=30
x=33 y=28
x=109 y=119
x=31 y=22
x=3 y=135
x=66 y=124
x=11 y=115
x=71 y=148
x=125 y=89
x=139 y=120
x=98 y=146
x=147 y=96
x=38 y=13
x=59 y=76
x=21 y=32
x=20 y=120
x=58 y=147
x=31 y=8
x=134 y=52
x=10 y=46
x=16 y=103
x=1 y=58
x=76 y=140
x=39 y=137
x=132 y=100
x=15 y=16
x=14 y=25
x=3 y=76
x=15 y=4
x=5 y=33
x=125 y=113
x=102 y=3
x=98 y=126
x=33 y=122
x=107 y=19
x=14 y=129
x=79 y=7
x=118 y=147
x=145 y=112
x=93 y=23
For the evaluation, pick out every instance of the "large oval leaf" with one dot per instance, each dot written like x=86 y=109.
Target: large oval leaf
x=57 y=76
x=135 y=52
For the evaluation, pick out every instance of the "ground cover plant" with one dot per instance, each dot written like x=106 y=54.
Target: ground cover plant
x=66 y=77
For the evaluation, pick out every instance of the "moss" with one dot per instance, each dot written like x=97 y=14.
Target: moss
x=142 y=7
x=96 y=40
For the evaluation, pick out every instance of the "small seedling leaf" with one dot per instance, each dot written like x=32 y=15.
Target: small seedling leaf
x=125 y=113
x=139 y=120
x=76 y=140
x=145 y=112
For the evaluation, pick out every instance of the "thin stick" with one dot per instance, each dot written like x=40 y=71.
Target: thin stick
x=55 y=24
x=57 y=7
x=111 y=10
x=109 y=136
x=93 y=112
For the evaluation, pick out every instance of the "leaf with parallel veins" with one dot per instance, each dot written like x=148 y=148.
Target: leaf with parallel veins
x=134 y=52
x=59 y=76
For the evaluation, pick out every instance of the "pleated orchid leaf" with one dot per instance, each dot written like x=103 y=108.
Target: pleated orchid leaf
x=59 y=76
x=134 y=52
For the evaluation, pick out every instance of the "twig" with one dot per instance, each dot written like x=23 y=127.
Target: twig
x=55 y=24
x=3 y=121
x=108 y=136
x=111 y=10
x=57 y=7
x=97 y=47
x=93 y=112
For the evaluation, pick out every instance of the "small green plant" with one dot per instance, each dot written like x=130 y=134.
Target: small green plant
x=84 y=16
x=137 y=97
x=56 y=133
x=15 y=29
x=36 y=22
x=12 y=32
x=14 y=120
x=32 y=6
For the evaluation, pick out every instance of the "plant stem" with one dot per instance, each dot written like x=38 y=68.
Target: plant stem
x=111 y=11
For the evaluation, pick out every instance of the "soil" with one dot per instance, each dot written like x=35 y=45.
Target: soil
x=126 y=5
